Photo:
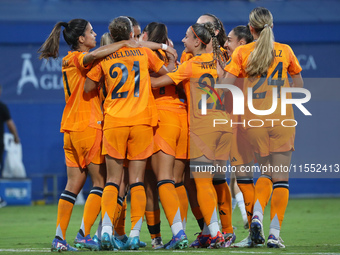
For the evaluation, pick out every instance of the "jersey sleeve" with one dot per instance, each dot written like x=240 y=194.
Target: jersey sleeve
x=80 y=58
x=155 y=64
x=224 y=53
x=185 y=56
x=234 y=64
x=294 y=65
x=182 y=72
x=96 y=72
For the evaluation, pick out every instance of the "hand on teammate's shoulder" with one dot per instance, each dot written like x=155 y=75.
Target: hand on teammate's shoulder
x=132 y=43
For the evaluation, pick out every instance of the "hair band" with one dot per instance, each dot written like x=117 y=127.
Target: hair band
x=265 y=25
x=197 y=36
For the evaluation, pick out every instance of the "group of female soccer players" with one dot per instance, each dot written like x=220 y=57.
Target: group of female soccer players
x=135 y=117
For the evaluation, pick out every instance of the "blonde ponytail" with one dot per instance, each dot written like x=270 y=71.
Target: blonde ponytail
x=262 y=56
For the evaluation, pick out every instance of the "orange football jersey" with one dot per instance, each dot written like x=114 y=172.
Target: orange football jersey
x=81 y=109
x=129 y=99
x=167 y=98
x=262 y=87
x=198 y=76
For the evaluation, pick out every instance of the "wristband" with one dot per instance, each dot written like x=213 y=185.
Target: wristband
x=164 y=46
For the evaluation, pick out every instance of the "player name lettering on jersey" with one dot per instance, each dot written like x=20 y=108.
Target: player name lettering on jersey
x=278 y=53
x=65 y=63
x=208 y=65
x=123 y=54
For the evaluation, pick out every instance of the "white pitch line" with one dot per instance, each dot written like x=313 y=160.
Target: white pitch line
x=179 y=251
x=26 y=250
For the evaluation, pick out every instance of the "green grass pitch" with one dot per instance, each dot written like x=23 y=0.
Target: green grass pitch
x=311 y=226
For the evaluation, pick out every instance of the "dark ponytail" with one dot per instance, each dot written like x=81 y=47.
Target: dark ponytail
x=72 y=31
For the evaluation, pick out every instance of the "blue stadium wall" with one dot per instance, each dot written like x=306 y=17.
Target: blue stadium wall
x=33 y=89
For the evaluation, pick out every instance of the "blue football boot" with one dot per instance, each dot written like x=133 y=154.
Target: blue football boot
x=202 y=241
x=274 y=242
x=256 y=231
x=106 y=242
x=178 y=241
x=141 y=243
x=61 y=245
x=132 y=243
x=85 y=242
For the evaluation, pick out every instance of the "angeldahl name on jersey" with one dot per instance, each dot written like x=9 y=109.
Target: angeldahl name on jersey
x=125 y=53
